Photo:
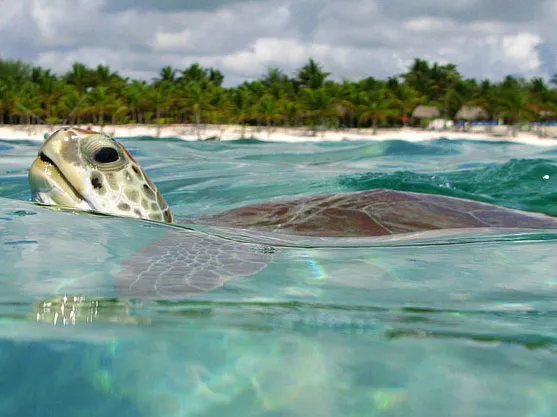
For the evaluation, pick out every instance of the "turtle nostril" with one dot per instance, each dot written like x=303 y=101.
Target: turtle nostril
x=105 y=155
x=96 y=183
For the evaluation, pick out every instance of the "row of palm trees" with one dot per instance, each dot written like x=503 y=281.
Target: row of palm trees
x=306 y=98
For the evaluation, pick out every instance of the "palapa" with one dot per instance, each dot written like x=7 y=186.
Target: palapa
x=422 y=112
x=471 y=113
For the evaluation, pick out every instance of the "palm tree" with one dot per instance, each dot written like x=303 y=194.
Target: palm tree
x=6 y=100
x=219 y=104
x=293 y=111
x=28 y=104
x=69 y=107
x=14 y=71
x=309 y=98
x=194 y=73
x=418 y=77
x=318 y=106
x=103 y=76
x=449 y=76
x=80 y=76
x=215 y=76
x=50 y=88
x=513 y=103
x=285 y=111
x=134 y=95
x=159 y=94
x=375 y=106
x=241 y=100
x=267 y=110
x=197 y=99
x=405 y=97
x=9 y=99
x=311 y=75
x=540 y=95
x=277 y=83
x=344 y=101
x=99 y=98
x=167 y=74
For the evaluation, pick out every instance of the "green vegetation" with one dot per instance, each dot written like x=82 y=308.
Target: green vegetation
x=307 y=98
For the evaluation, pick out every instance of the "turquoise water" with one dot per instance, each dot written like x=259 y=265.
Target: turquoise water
x=438 y=324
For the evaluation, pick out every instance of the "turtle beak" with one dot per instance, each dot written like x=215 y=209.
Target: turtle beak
x=49 y=186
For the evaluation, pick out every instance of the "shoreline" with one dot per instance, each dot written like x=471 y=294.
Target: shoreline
x=280 y=134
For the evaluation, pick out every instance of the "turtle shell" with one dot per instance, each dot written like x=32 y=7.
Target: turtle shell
x=375 y=213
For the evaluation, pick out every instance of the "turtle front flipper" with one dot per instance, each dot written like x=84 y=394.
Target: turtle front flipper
x=186 y=262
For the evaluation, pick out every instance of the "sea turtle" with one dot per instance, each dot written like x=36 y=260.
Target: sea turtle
x=91 y=171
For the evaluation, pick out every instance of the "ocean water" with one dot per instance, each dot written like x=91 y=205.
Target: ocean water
x=457 y=323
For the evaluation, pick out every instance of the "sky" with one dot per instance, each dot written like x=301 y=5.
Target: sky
x=352 y=39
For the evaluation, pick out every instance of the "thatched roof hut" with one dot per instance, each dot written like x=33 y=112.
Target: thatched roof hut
x=471 y=113
x=422 y=112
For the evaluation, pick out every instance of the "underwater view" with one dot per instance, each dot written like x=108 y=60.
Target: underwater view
x=444 y=323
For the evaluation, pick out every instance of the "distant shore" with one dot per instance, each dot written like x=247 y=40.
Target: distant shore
x=281 y=134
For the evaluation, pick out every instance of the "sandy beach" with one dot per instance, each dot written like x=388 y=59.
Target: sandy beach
x=233 y=132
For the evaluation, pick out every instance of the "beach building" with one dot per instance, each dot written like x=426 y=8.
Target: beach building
x=425 y=112
x=470 y=113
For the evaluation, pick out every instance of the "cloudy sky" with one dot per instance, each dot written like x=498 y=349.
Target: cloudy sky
x=351 y=38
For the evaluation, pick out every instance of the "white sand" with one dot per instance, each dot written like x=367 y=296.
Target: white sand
x=231 y=132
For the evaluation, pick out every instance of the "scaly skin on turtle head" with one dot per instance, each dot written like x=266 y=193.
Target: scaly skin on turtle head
x=87 y=170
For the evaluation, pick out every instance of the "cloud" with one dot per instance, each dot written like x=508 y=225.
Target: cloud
x=223 y=30
x=166 y=5
x=465 y=10
x=351 y=38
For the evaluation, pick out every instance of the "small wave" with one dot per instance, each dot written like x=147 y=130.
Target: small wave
x=526 y=184
x=313 y=154
x=248 y=141
x=438 y=147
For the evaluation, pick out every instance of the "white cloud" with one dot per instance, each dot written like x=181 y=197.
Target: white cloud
x=428 y=24
x=11 y=10
x=351 y=38
x=521 y=48
x=56 y=20
x=165 y=41
x=91 y=56
x=288 y=55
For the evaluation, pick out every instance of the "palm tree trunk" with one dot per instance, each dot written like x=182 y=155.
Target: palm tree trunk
x=197 y=121
x=445 y=112
x=158 y=116
x=243 y=134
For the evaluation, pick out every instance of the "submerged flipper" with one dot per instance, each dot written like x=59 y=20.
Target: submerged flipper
x=188 y=262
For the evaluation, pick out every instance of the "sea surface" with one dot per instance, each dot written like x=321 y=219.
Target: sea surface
x=457 y=323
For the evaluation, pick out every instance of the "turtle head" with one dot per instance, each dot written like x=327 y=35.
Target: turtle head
x=91 y=171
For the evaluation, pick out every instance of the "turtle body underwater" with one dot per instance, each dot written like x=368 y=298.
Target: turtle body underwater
x=90 y=171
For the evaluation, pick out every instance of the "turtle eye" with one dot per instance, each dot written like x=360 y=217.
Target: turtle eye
x=105 y=155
